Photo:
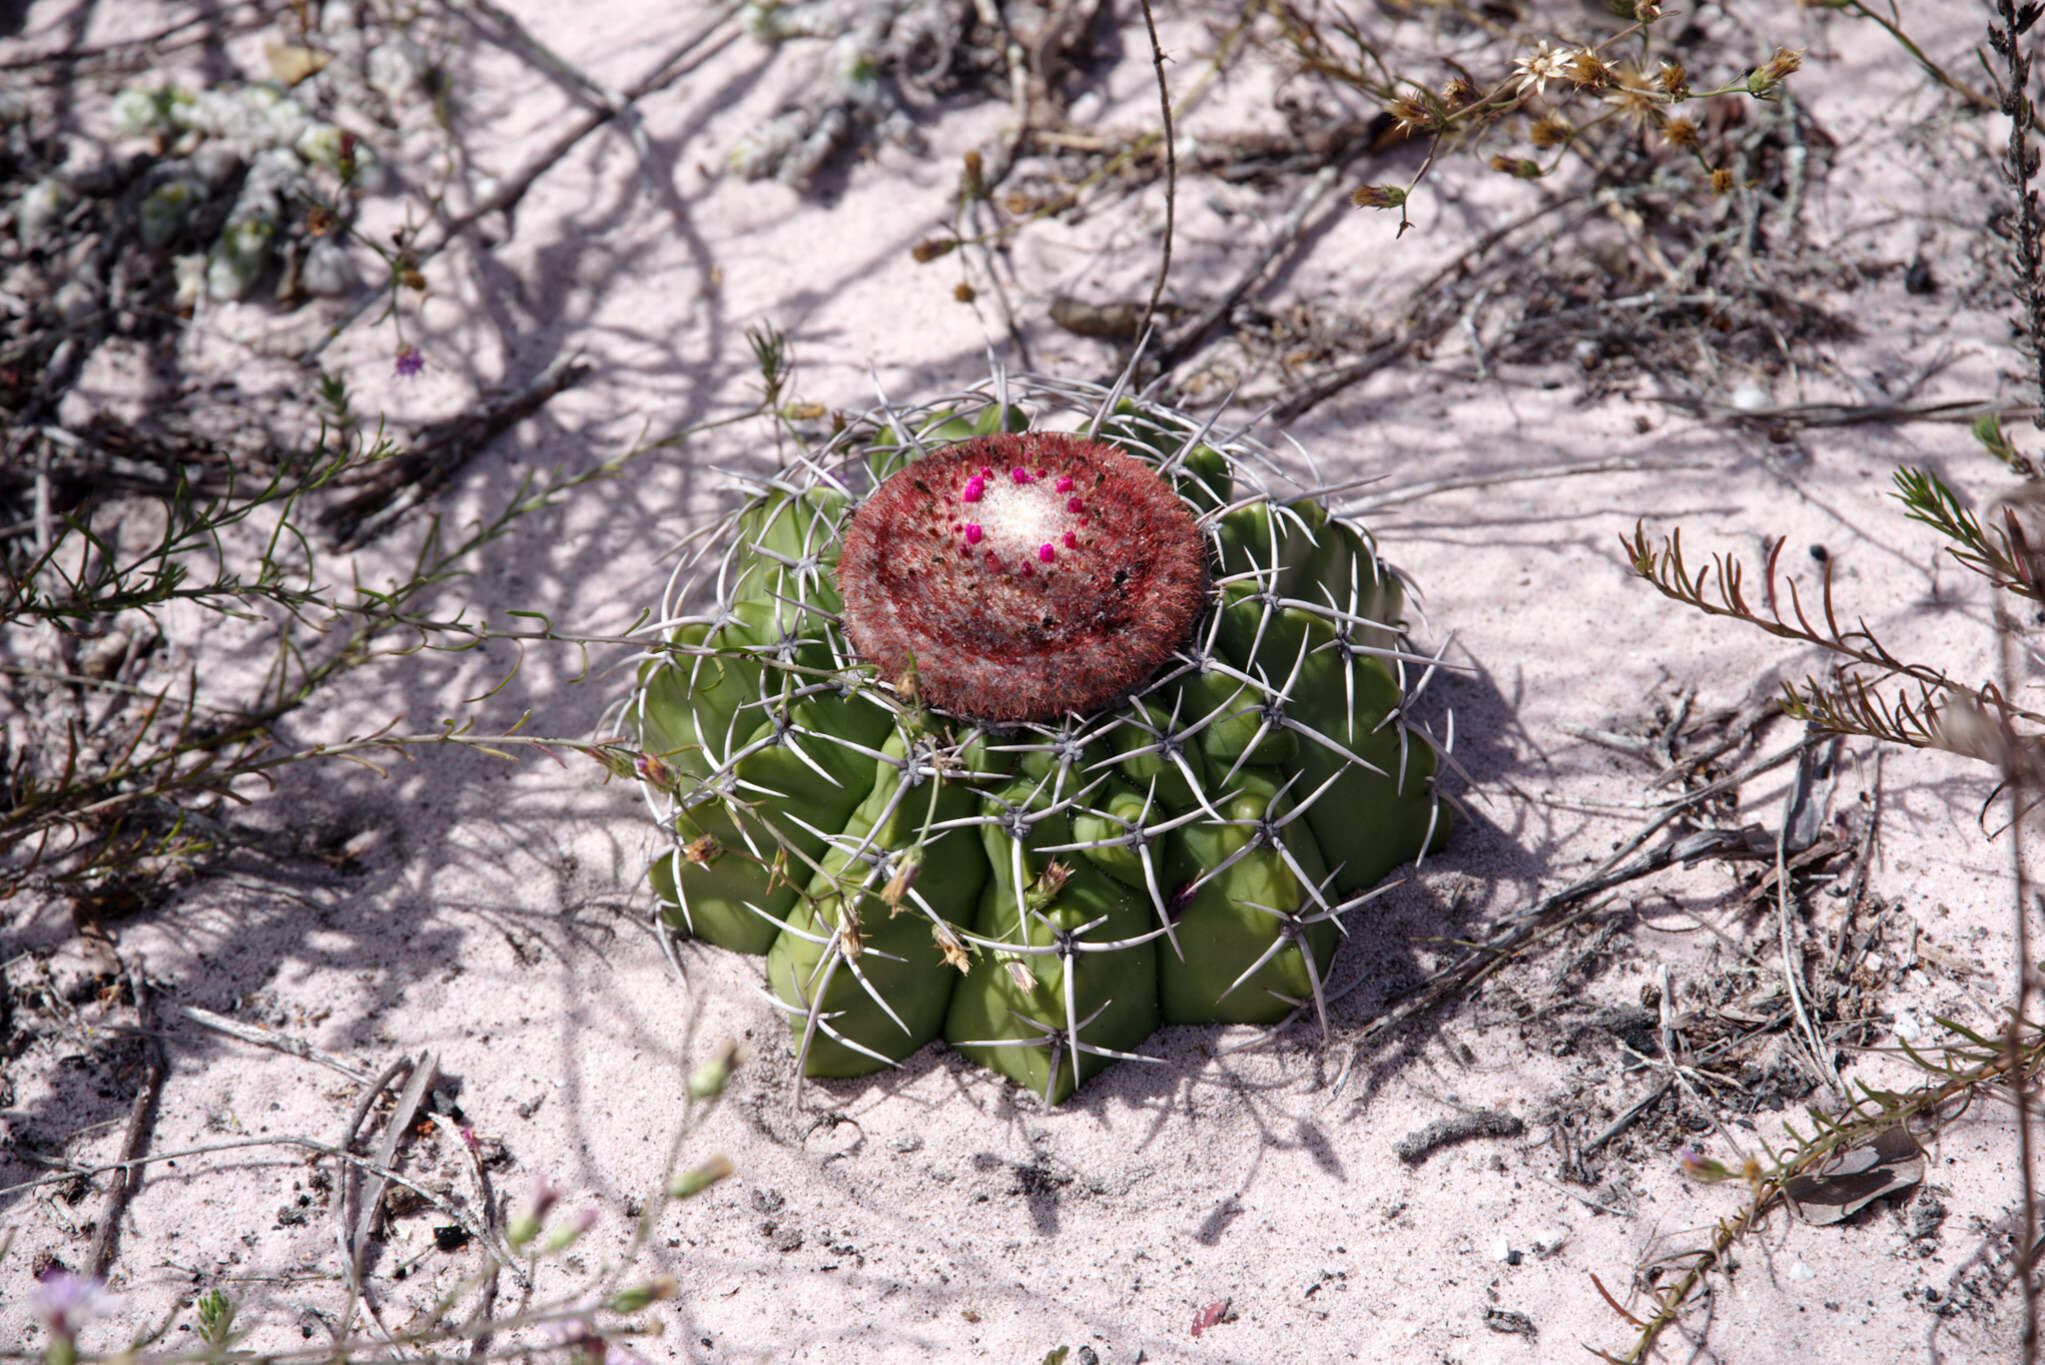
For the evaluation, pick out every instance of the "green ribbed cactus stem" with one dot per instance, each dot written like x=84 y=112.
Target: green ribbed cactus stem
x=1258 y=929
x=1065 y=981
x=866 y=964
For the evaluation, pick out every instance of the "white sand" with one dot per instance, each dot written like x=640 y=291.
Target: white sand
x=498 y=922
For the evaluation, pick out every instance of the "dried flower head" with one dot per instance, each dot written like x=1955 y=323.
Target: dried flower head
x=1671 y=77
x=1377 y=196
x=907 y=869
x=1776 y=70
x=1519 y=167
x=949 y=946
x=1721 y=182
x=1588 y=71
x=1637 y=106
x=1411 y=115
x=1681 y=132
x=1551 y=130
x=649 y=768
x=1459 y=92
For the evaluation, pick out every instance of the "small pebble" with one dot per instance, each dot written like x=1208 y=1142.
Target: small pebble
x=1751 y=397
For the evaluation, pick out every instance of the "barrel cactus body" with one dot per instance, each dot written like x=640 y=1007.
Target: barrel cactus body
x=1031 y=720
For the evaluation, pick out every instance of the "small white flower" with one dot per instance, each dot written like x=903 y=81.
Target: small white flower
x=1544 y=65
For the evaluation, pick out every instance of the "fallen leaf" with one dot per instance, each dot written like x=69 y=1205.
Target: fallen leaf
x=291 y=64
x=1857 y=1177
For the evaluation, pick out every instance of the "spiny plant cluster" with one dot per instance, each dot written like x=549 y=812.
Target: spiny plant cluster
x=1032 y=739
x=242 y=167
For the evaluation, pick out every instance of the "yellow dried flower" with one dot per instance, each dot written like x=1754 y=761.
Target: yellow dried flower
x=1551 y=130
x=1458 y=93
x=1635 y=105
x=1783 y=64
x=1766 y=77
x=948 y=944
x=1671 y=77
x=1411 y=115
x=1721 y=182
x=1588 y=71
x=1681 y=132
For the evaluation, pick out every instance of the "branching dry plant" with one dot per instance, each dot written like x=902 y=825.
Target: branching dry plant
x=602 y=1314
x=1929 y=708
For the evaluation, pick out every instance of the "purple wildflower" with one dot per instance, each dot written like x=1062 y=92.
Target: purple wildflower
x=567 y=1236
x=585 y=1345
x=411 y=360
x=66 y=1301
x=1698 y=1166
x=526 y=1226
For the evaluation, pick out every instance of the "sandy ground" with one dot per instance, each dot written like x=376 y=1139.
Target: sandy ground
x=497 y=919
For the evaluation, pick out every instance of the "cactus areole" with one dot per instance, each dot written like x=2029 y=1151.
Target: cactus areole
x=1025 y=574
x=1031 y=720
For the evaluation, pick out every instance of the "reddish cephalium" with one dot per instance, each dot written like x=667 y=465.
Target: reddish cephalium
x=1029 y=574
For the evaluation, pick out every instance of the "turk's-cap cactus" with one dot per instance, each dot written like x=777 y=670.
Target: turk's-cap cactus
x=1030 y=738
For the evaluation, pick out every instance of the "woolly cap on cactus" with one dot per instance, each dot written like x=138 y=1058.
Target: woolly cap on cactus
x=1032 y=739
x=1026 y=575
